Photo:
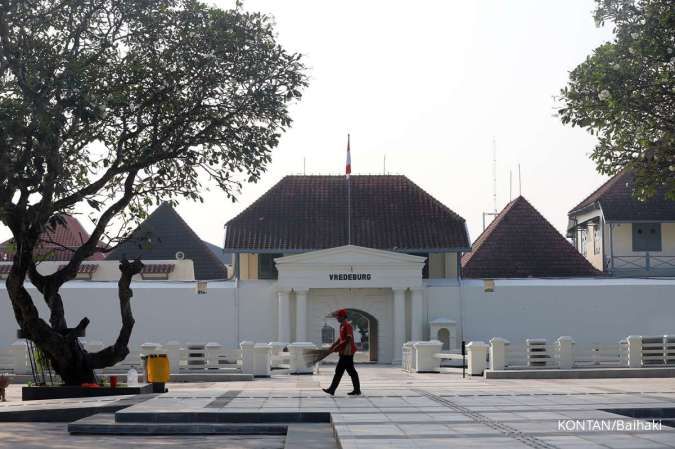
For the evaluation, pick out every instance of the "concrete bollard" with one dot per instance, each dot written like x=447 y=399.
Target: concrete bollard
x=247 y=357
x=634 y=351
x=19 y=357
x=565 y=352
x=277 y=351
x=297 y=364
x=150 y=348
x=213 y=350
x=172 y=350
x=408 y=356
x=262 y=360
x=476 y=359
x=498 y=348
x=424 y=354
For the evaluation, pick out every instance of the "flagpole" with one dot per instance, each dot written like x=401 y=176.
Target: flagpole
x=349 y=194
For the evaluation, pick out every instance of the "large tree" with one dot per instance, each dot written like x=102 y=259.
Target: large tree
x=116 y=105
x=624 y=93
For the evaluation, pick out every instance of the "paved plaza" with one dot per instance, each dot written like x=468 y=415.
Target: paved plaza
x=397 y=410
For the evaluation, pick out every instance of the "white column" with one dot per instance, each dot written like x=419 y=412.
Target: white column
x=498 y=353
x=417 y=309
x=301 y=315
x=565 y=352
x=284 y=317
x=399 y=324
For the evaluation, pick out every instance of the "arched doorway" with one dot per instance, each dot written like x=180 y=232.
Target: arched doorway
x=365 y=332
x=444 y=337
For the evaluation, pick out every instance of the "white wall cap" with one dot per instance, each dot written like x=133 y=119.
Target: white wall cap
x=247 y=344
x=442 y=321
x=499 y=339
x=428 y=343
x=302 y=344
x=566 y=338
x=262 y=346
x=213 y=344
x=477 y=344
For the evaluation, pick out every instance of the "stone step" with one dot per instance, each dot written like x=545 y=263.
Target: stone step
x=210 y=417
x=105 y=424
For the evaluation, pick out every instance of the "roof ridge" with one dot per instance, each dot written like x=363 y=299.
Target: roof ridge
x=600 y=191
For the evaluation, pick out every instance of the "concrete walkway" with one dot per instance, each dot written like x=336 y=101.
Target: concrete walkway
x=399 y=410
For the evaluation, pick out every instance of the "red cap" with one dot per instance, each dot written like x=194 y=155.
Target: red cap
x=342 y=313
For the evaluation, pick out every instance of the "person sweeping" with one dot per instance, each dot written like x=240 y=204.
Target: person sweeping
x=346 y=347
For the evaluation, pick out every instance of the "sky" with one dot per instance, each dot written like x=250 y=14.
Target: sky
x=428 y=85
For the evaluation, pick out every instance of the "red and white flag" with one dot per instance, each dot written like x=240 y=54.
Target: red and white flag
x=348 y=167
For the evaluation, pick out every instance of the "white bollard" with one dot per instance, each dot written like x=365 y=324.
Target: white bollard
x=565 y=352
x=150 y=348
x=262 y=360
x=634 y=351
x=277 y=351
x=172 y=350
x=408 y=356
x=247 y=357
x=213 y=351
x=498 y=347
x=476 y=357
x=425 y=362
x=19 y=356
x=295 y=351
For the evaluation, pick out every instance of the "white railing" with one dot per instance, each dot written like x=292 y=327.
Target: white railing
x=612 y=355
x=6 y=360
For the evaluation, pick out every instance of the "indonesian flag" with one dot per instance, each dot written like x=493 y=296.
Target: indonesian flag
x=348 y=167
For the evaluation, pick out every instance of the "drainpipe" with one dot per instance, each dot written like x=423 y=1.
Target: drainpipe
x=611 y=248
x=236 y=296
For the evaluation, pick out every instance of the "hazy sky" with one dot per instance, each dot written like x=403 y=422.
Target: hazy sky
x=428 y=84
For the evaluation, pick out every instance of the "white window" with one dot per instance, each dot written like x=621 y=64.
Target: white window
x=583 y=241
x=597 y=239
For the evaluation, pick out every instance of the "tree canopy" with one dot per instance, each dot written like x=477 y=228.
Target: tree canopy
x=624 y=92
x=121 y=104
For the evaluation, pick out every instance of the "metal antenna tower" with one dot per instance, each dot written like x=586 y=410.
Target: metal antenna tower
x=494 y=184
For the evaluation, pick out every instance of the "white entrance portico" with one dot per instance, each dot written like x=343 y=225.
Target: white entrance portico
x=375 y=281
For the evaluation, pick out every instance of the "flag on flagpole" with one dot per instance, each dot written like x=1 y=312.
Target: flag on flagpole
x=348 y=167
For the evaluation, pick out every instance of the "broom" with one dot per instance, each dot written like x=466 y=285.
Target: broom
x=311 y=357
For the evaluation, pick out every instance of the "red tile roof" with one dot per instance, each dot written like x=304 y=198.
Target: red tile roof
x=157 y=268
x=619 y=205
x=521 y=243
x=56 y=244
x=310 y=212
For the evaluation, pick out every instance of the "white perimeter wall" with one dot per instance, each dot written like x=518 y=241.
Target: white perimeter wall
x=588 y=310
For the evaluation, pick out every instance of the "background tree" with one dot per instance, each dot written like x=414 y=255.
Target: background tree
x=625 y=94
x=117 y=105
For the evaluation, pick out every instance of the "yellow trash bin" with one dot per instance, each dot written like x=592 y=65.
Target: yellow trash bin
x=158 y=368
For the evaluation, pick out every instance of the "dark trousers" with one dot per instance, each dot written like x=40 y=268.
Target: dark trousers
x=346 y=363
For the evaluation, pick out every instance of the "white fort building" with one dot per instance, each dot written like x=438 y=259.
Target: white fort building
x=398 y=259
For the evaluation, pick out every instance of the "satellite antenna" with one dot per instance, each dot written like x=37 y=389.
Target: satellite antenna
x=494 y=184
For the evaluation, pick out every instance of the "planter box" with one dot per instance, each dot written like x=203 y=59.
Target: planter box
x=66 y=392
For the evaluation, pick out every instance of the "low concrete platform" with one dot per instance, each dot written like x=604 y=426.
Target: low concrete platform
x=588 y=373
x=105 y=424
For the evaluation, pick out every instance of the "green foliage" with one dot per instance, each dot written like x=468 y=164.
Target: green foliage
x=625 y=94
x=169 y=92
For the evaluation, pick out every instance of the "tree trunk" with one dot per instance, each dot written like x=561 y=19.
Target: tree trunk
x=61 y=346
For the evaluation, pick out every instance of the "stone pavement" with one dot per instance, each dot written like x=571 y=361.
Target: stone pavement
x=399 y=410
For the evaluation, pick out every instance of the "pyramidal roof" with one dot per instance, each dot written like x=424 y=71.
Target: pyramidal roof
x=57 y=243
x=166 y=233
x=521 y=243
x=303 y=213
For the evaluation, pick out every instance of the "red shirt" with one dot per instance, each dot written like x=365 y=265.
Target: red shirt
x=346 y=331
